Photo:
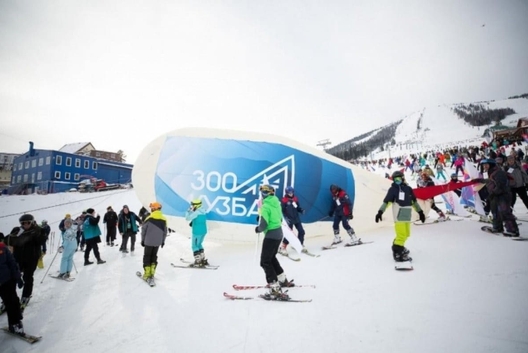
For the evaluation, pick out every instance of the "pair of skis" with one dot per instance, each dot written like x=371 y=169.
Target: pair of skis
x=190 y=264
x=24 y=336
x=489 y=229
x=297 y=259
x=346 y=245
x=69 y=279
x=150 y=281
x=262 y=296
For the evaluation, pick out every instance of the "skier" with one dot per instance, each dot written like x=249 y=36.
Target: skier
x=92 y=236
x=110 y=219
x=47 y=230
x=425 y=182
x=270 y=222
x=68 y=247
x=128 y=228
x=61 y=224
x=291 y=211
x=10 y=277
x=27 y=246
x=80 y=230
x=153 y=234
x=500 y=199
x=342 y=212
x=196 y=215
x=402 y=198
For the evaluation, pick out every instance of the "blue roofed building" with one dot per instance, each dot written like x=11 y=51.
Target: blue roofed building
x=50 y=171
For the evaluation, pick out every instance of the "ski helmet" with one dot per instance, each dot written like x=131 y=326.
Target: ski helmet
x=334 y=188
x=266 y=190
x=289 y=190
x=26 y=218
x=397 y=174
x=155 y=206
x=489 y=161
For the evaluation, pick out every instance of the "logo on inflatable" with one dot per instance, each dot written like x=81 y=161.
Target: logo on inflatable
x=226 y=176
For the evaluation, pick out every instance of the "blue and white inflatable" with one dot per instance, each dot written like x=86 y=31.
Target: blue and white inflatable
x=225 y=168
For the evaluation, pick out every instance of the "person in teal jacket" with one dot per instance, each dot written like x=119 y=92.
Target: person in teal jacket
x=196 y=215
x=92 y=235
x=270 y=223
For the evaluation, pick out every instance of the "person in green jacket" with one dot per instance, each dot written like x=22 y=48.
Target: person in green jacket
x=270 y=223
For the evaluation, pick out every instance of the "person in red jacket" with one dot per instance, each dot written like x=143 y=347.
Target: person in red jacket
x=342 y=212
x=292 y=211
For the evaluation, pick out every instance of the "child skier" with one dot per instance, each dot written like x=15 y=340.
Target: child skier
x=291 y=210
x=153 y=234
x=342 y=212
x=402 y=197
x=196 y=215
x=69 y=244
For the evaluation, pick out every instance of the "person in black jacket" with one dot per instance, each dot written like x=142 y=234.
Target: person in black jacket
x=291 y=211
x=110 y=219
x=10 y=277
x=27 y=246
x=402 y=198
x=128 y=228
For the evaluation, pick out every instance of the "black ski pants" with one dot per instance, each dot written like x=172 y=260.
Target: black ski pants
x=110 y=233
x=150 y=255
x=12 y=303
x=92 y=244
x=522 y=195
x=268 y=259
x=132 y=237
x=28 y=269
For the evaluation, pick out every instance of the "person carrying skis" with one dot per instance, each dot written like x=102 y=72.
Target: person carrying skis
x=342 y=212
x=92 y=236
x=26 y=241
x=110 y=219
x=270 y=223
x=10 y=277
x=153 y=235
x=67 y=248
x=291 y=211
x=402 y=198
x=499 y=197
x=196 y=215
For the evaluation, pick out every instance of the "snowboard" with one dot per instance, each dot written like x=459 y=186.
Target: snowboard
x=26 y=337
x=404 y=266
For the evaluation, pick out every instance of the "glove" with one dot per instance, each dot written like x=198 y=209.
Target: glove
x=20 y=283
x=300 y=210
x=162 y=245
x=258 y=219
x=257 y=229
x=350 y=217
x=378 y=216
x=190 y=224
x=143 y=244
x=330 y=214
x=61 y=249
x=422 y=216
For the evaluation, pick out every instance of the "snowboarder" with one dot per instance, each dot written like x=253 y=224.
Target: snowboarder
x=402 y=198
x=196 y=215
x=10 y=277
x=92 y=236
x=153 y=234
x=128 y=228
x=342 y=212
x=110 y=219
x=69 y=244
x=291 y=211
x=270 y=223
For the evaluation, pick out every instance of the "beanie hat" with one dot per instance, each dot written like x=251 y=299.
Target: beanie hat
x=90 y=211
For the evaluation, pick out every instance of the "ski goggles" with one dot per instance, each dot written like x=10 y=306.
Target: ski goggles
x=397 y=179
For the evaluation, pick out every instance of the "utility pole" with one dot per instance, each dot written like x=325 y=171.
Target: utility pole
x=324 y=143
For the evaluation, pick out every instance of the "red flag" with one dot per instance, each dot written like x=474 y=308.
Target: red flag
x=431 y=191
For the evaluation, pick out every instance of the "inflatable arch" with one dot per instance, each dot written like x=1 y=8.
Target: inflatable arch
x=225 y=168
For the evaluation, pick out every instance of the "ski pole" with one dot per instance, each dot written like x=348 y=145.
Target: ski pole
x=75 y=267
x=56 y=253
x=256 y=247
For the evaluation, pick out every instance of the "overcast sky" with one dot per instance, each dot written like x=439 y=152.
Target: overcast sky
x=121 y=73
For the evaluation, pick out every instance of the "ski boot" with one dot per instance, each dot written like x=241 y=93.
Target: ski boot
x=276 y=292
x=337 y=238
x=198 y=257
x=399 y=255
x=17 y=329
x=147 y=273
x=24 y=301
x=441 y=217
x=283 y=281
x=353 y=239
x=282 y=249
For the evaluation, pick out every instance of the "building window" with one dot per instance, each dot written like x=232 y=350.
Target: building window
x=41 y=162
x=13 y=180
x=32 y=177
x=57 y=175
x=20 y=166
x=94 y=165
x=19 y=178
x=14 y=167
x=68 y=161
x=26 y=165
x=98 y=154
x=67 y=176
x=39 y=176
x=48 y=160
x=86 y=164
x=25 y=178
x=34 y=163
x=58 y=160
x=112 y=155
x=76 y=176
x=77 y=163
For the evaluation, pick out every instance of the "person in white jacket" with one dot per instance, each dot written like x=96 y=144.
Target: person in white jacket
x=68 y=247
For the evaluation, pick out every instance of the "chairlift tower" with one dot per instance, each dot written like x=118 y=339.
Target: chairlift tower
x=324 y=143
